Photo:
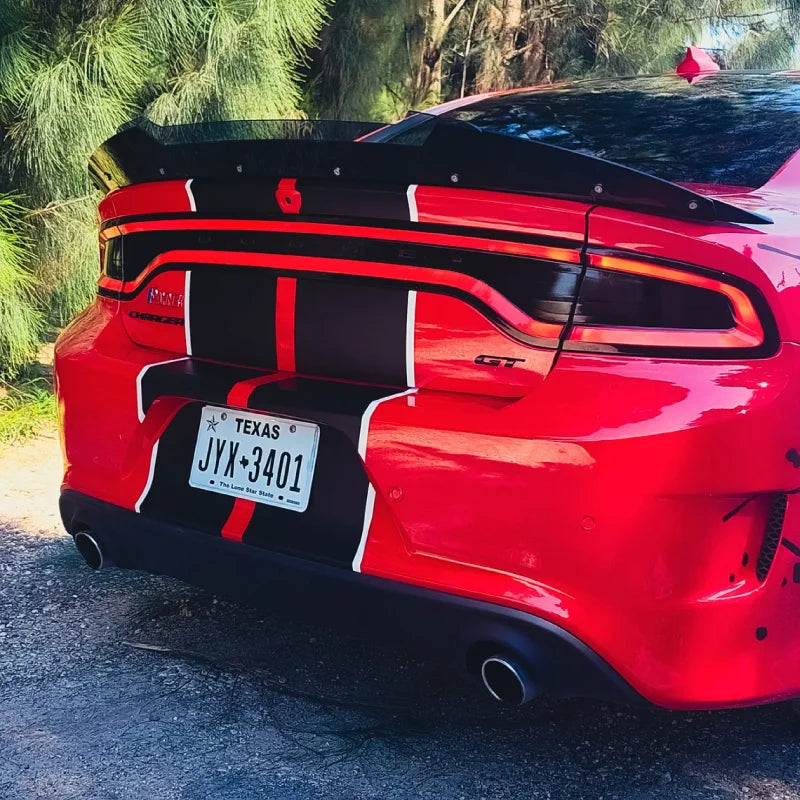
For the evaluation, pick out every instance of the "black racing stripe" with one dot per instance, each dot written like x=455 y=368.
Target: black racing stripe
x=330 y=528
x=220 y=197
x=340 y=405
x=193 y=379
x=389 y=203
x=170 y=497
x=351 y=331
x=232 y=315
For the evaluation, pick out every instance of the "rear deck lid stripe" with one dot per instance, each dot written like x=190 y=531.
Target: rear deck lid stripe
x=285 y=300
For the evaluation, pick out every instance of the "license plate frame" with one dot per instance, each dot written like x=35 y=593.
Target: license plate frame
x=235 y=446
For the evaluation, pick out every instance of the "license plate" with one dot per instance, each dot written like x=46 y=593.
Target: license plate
x=255 y=456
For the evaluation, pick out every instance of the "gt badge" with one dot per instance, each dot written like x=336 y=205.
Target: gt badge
x=497 y=361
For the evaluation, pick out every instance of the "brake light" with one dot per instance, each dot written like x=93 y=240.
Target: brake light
x=111 y=258
x=624 y=303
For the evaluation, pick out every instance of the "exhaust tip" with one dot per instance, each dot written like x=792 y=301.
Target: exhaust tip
x=506 y=681
x=90 y=549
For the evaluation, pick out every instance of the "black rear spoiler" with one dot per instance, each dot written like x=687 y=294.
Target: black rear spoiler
x=450 y=153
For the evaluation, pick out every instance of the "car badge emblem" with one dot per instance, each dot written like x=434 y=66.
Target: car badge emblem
x=161 y=298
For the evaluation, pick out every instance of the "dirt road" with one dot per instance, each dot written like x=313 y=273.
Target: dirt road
x=241 y=706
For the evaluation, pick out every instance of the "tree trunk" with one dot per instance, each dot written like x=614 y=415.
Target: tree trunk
x=500 y=34
x=535 y=69
x=435 y=53
x=427 y=83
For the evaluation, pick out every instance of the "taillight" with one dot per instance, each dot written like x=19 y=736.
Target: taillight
x=626 y=305
x=111 y=255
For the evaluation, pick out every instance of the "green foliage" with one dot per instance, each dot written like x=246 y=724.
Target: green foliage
x=20 y=322
x=240 y=58
x=762 y=47
x=363 y=61
x=25 y=407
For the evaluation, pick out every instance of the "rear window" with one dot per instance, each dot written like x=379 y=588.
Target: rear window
x=732 y=129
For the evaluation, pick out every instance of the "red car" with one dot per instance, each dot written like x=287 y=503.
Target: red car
x=519 y=378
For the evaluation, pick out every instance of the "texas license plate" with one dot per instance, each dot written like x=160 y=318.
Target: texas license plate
x=258 y=457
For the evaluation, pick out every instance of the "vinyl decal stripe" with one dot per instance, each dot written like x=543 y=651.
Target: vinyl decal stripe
x=369 y=510
x=285 y=301
x=187 y=304
x=791 y=547
x=331 y=528
x=140 y=377
x=149 y=483
x=362 y=451
x=351 y=331
x=232 y=316
x=240 y=517
x=190 y=194
x=411 y=319
x=239 y=395
x=411 y=194
x=201 y=381
x=169 y=497
x=243 y=509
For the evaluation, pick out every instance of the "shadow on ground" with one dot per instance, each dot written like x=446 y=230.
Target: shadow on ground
x=244 y=705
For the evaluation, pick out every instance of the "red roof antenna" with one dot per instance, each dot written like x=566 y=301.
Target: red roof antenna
x=696 y=65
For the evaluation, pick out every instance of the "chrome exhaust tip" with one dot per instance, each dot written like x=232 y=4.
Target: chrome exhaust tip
x=507 y=682
x=90 y=549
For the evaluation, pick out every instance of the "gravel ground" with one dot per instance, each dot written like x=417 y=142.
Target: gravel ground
x=238 y=705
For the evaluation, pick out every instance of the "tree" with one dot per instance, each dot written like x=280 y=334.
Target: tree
x=378 y=58
x=501 y=31
x=72 y=71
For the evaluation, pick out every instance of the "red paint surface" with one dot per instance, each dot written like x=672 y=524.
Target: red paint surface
x=284 y=323
x=696 y=63
x=164 y=197
x=289 y=199
x=240 y=517
x=239 y=395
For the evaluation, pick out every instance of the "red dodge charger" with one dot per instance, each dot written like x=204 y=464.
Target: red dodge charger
x=518 y=377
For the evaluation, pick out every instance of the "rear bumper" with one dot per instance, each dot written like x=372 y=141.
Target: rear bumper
x=445 y=623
